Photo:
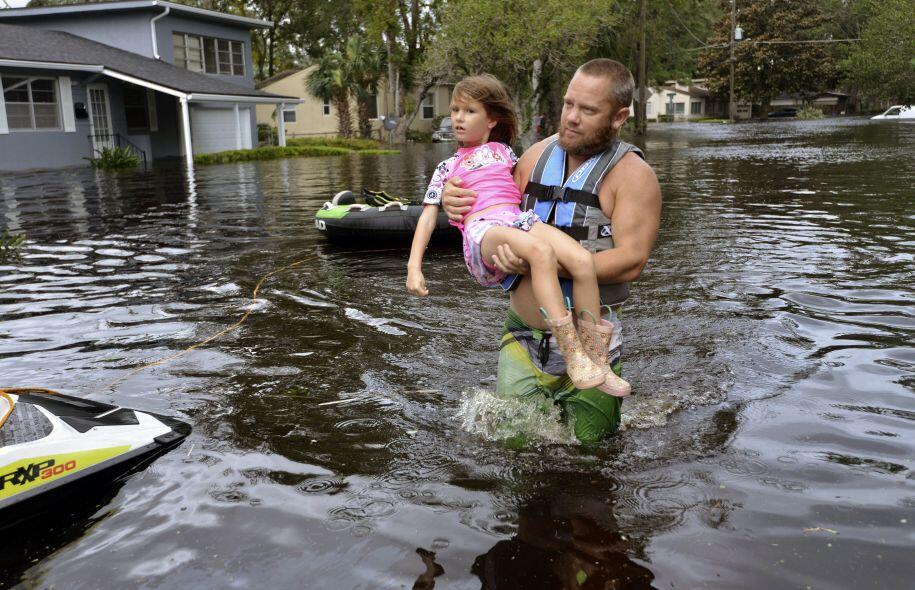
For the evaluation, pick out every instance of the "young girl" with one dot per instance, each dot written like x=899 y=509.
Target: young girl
x=484 y=123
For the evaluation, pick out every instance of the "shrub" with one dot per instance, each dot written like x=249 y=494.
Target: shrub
x=807 y=113
x=419 y=136
x=10 y=244
x=114 y=158
x=352 y=143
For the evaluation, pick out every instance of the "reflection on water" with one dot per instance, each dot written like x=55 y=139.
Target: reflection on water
x=769 y=345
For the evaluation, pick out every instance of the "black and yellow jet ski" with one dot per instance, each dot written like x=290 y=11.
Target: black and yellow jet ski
x=54 y=446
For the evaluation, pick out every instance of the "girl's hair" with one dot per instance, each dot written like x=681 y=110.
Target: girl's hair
x=492 y=94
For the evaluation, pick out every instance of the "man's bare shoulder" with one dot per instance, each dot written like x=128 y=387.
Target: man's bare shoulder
x=528 y=160
x=631 y=171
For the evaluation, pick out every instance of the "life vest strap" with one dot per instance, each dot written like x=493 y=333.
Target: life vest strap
x=545 y=192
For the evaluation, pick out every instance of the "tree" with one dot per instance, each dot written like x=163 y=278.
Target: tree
x=532 y=46
x=328 y=82
x=883 y=63
x=405 y=28
x=776 y=56
x=362 y=69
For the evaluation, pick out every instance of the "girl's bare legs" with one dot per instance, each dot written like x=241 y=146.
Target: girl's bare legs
x=539 y=254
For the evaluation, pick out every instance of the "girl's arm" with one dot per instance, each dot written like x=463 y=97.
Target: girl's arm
x=425 y=225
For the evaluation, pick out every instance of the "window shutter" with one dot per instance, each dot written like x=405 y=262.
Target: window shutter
x=151 y=110
x=4 y=129
x=66 y=103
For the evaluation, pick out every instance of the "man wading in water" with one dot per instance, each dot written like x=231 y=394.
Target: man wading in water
x=600 y=191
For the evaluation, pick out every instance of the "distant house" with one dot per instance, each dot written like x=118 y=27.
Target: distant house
x=831 y=103
x=681 y=102
x=161 y=78
x=316 y=117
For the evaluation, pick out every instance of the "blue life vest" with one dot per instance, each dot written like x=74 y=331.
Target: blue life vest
x=572 y=204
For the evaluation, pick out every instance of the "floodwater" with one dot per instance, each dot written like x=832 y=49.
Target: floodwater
x=345 y=435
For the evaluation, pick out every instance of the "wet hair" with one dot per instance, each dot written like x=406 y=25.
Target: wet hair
x=492 y=94
x=622 y=84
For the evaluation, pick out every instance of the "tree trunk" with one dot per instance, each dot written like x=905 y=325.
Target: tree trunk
x=531 y=137
x=641 y=110
x=271 y=45
x=344 y=116
x=404 y=122
x=365 y=125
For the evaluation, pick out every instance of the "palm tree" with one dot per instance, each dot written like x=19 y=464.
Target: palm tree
x=328 y=81
x=363 y=68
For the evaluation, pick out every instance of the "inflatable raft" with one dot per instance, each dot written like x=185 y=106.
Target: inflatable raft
x=53 y=447
x=380 y=219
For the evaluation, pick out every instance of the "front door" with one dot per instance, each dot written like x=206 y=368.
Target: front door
x=100 y=117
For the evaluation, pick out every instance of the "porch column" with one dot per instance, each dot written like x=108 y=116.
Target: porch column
x=186 y=132
x=237 y=128
x=281 y=124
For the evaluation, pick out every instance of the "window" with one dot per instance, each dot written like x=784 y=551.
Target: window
x=695 y=108
x=136 y=108
x=325 y=107
x=289 y=115
x=649 y=108
x=681 y=108
x=373 y=106
x=31 y=103
x=428 y=107
x=209 y=55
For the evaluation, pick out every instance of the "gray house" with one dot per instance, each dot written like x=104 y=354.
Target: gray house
x=164 y=79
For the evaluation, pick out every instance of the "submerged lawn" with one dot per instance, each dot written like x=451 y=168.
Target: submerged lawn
x=303 y=147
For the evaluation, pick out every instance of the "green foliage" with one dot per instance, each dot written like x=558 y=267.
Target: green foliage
x=765 y=70
x=275 y=152
x=114 y=158
x=809 y=112
x=10 y=244
x=419 y=136
x=883 y=63
x=350 y=143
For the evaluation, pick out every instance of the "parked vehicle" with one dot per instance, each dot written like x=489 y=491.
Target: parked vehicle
x=445 y=131
x=784 y=112
x=897 y=112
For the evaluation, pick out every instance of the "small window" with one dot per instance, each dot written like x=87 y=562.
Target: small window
x=209 y=55
x=428 y=108
x=681 y=108
x=238 y=58
x=325 y=108
x=289 y=115
x=373 y=106
x=649 y=108
x=136 y=109
x=31 y=103
x=695 y=108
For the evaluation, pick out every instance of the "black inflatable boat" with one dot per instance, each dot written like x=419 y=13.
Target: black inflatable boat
x=380 y=219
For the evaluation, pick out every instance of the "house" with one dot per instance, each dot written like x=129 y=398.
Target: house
x=163 y=79
x=316 y=117
x=831 y=103
x=687 y=102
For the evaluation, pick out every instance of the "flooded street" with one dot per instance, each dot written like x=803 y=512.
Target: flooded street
x=344 y=436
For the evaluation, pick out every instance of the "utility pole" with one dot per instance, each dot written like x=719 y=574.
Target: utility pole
x=732 y=105
x=641 y=115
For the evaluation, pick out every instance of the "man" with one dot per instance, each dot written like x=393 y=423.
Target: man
x=602 y=192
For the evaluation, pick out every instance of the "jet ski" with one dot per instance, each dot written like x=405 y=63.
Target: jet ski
x=55 y=446
x=380 y=219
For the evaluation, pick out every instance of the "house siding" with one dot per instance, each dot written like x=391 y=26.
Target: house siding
x=125 y=30
x=24 y=150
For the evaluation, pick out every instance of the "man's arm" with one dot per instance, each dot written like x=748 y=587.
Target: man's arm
x=632 y=200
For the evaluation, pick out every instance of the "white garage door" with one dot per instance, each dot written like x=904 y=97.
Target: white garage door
x=213 y=130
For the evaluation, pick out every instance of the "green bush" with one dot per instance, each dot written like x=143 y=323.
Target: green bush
x=419 y=136
x=352 y=143
x=268 y=153
x=808 y=113
x=10 y=244
x=114 y=158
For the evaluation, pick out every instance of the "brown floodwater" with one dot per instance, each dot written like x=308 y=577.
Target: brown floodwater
x=345 y=436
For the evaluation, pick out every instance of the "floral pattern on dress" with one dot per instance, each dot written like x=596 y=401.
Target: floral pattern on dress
x=433 y=194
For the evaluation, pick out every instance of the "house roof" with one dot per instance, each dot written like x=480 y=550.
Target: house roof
x=31 y=47
x=277 y=77
x=96 y=7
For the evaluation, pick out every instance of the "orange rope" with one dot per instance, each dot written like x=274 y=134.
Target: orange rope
x=203 y=342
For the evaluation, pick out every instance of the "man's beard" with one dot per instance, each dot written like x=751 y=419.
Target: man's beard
x=588 y=145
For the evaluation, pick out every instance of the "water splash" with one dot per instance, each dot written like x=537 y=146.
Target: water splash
x=515 y=418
